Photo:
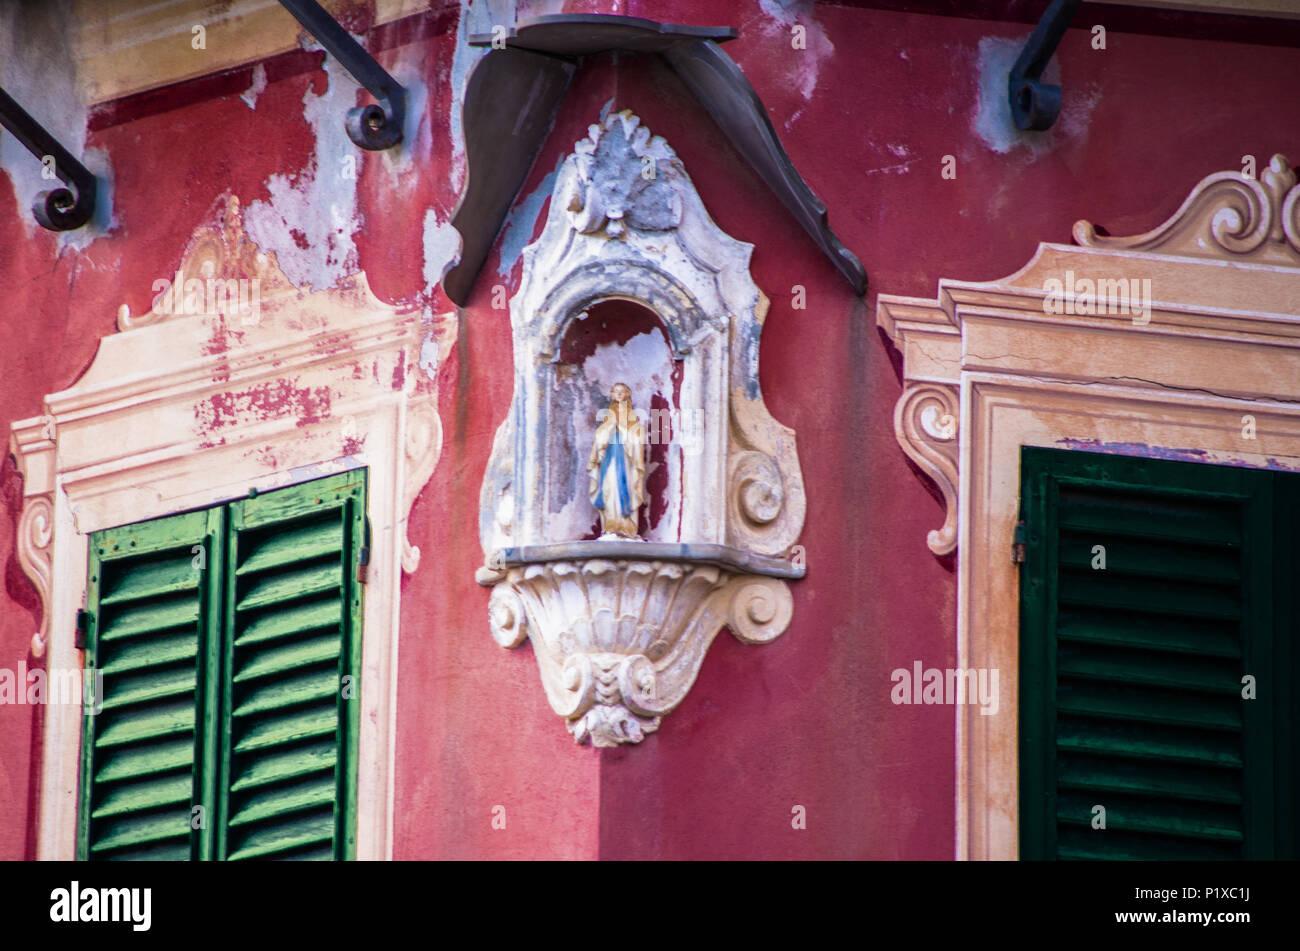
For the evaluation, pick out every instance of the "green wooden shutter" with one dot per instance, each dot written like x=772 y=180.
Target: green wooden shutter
x=154 y=608
x=225 y=637
x=289 y=716
x=1131 y=674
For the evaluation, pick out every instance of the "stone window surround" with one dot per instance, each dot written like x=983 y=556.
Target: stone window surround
x=1210 y=373
x=179 y=412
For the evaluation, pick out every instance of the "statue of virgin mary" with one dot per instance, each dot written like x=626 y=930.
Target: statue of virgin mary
x=617 y=466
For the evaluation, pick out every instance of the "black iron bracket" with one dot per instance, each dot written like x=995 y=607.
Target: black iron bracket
x=372 y=127
x=515 y=90
x=1036 y=104
x=60 y=209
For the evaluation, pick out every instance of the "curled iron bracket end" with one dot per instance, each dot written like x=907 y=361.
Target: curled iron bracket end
x=373 y=127
x=59 y=209
x=1036 y=104
x=378 y=127
x=63 y=209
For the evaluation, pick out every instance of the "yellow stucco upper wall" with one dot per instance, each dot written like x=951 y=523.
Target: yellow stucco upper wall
x=125 y=47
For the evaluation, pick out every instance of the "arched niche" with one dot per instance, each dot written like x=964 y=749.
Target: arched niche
x=617 y=341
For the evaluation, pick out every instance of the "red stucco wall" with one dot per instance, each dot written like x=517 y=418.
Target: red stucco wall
x=806 y=720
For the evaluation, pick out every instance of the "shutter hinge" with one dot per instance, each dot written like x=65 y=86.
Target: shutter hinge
x=1018 y=544
x=84 y=619
x=363 y=557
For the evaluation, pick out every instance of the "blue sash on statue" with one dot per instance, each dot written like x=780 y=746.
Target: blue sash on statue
x=624 y=498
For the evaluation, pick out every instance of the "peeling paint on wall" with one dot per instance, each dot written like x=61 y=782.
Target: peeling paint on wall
x=270 y=400
x=441 y=247
x=256 y=88
x=405 y=162
x=429 y=356
x=462 y=62
x=522 y=221
x=311 y=215
x=1144 y=451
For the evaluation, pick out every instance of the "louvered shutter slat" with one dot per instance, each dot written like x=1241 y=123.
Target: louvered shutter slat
x=1208 y=638
x=293 y=547
x=154 y=653
x=1115 y=702
x=289 y=728
x=1182 y=672
x=279 y=660
x=1100 y=589
x=1188 y=519
x=1187 y=820
x=143 y=687
x=308 y=615
x=144 y=760
x=1152 y=742
x=1083 y=843
x=1146 y=558
x=151 y=617
x=283 y=587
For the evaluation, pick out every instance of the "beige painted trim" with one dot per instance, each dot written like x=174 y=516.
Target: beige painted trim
x=988 y=370
x=124 y=46
x=183 y=411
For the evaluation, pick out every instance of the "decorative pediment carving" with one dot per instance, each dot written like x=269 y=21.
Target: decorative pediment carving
x=215 y=255
x=1113 y=297
x=1258 y=220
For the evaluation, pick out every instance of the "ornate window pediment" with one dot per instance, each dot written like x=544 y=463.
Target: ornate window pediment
x=1180 y=343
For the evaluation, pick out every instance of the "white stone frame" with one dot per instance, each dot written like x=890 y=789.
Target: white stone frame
x=620 y=627
x=656 y=247
x=179 y=412
x=988 y=370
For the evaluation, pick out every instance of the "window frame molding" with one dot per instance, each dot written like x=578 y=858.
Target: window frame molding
x=987 y=370
x=179 y=412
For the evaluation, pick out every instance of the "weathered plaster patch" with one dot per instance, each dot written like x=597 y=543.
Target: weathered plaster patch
x=805 y=64
x=441 y=248
x=271 y=400
x=406 y=161
x=522 y=220
x=1076 y=111
x=256 y=88
x=311 y=216
x=429 y=356
x=993 y=122
x=463 y=60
